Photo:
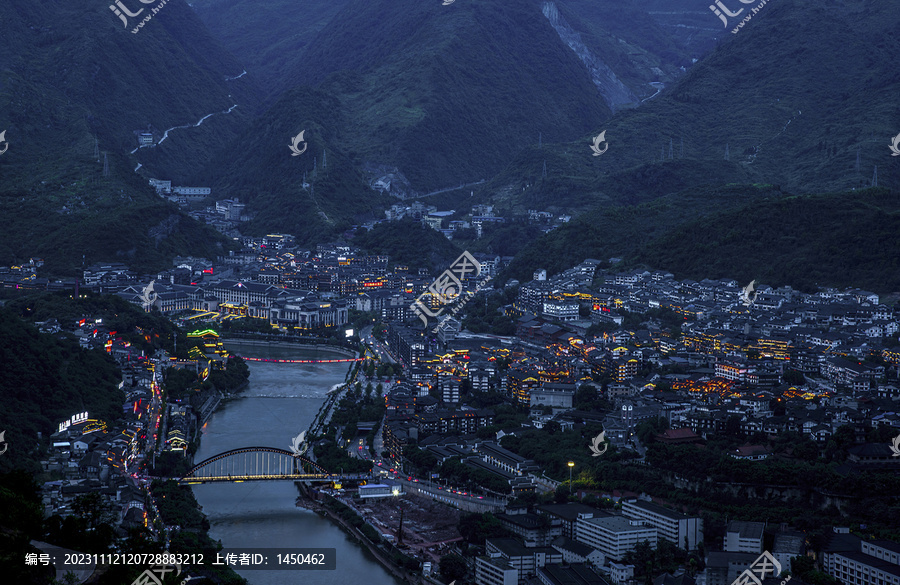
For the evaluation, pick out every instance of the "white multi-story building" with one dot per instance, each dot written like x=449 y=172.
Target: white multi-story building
x=193 y=191
x=613 y=536
x=562 y=310
x=509 y=562
x=554 y=395
x=620 y=573
x=744 y=537
x=864 y=562
x=679 y=529
x=494 y=570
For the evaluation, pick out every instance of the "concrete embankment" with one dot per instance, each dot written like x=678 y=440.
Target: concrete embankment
x=306 y=501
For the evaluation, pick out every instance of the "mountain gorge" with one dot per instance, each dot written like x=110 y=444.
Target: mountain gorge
x=75 y=87
x=416 y=98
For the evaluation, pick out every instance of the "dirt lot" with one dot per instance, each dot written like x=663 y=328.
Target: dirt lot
x=425 y=521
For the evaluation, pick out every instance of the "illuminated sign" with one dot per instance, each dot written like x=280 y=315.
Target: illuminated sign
x=200 y=333
x=74 y=420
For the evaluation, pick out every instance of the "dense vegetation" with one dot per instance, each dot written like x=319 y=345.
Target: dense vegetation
x=839 y=239
x=267 y=39
x=178 y=508
x=145 y=331
x=58 y=98
x=794 y=486
x=353 y=407
x=484 y=313
x=746 y=233
x=21 y=517
x=620 y=231
x=408 y=243
x=45 y=381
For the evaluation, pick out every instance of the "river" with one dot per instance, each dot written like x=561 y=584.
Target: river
x=281 y=401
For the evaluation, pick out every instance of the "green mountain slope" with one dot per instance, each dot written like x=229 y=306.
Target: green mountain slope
x=837 y=239
x=448 y=93
x=46 y=381
x=620 y=231
x=265 y=174
x=785 y=113
x=70 y=75
x=743 y=232
x=408 y=242
x=266 y=37
x=789 y=115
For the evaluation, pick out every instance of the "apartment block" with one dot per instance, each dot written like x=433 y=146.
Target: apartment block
x=613 y=536
x=859 y=562
x=744 y=537
x=681 y=530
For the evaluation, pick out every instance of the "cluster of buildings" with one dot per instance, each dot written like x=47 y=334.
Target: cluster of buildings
x=558 y=544
x=224 y=215
x=781 y=362
x=778 y=361
x=554 y=539
x=273 y=280
x=88 y=455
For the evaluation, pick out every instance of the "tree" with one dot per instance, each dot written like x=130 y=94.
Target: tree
x=453 y=567
x=552 y=427
x=93 y=509
x=806 y=450
x=794 y=378
x=586 y=397
x=475 y=528
x=733 y=426
x=883 y=433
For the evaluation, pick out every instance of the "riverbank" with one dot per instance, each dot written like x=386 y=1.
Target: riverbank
x=269 y=340
x=282 y=400
x=306 y=502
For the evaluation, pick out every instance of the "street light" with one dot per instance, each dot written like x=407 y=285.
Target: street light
x=571 y=465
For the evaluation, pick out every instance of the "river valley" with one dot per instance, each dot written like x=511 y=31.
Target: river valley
x=281 y=401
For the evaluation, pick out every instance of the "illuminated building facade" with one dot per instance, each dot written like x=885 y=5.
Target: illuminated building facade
x=520 y=384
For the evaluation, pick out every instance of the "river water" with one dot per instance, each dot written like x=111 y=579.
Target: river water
x=281 y=401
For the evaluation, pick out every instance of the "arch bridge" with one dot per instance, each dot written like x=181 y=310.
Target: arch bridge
x=261 y=464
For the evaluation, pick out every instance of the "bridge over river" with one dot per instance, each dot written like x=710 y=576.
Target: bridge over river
x=262 y=464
